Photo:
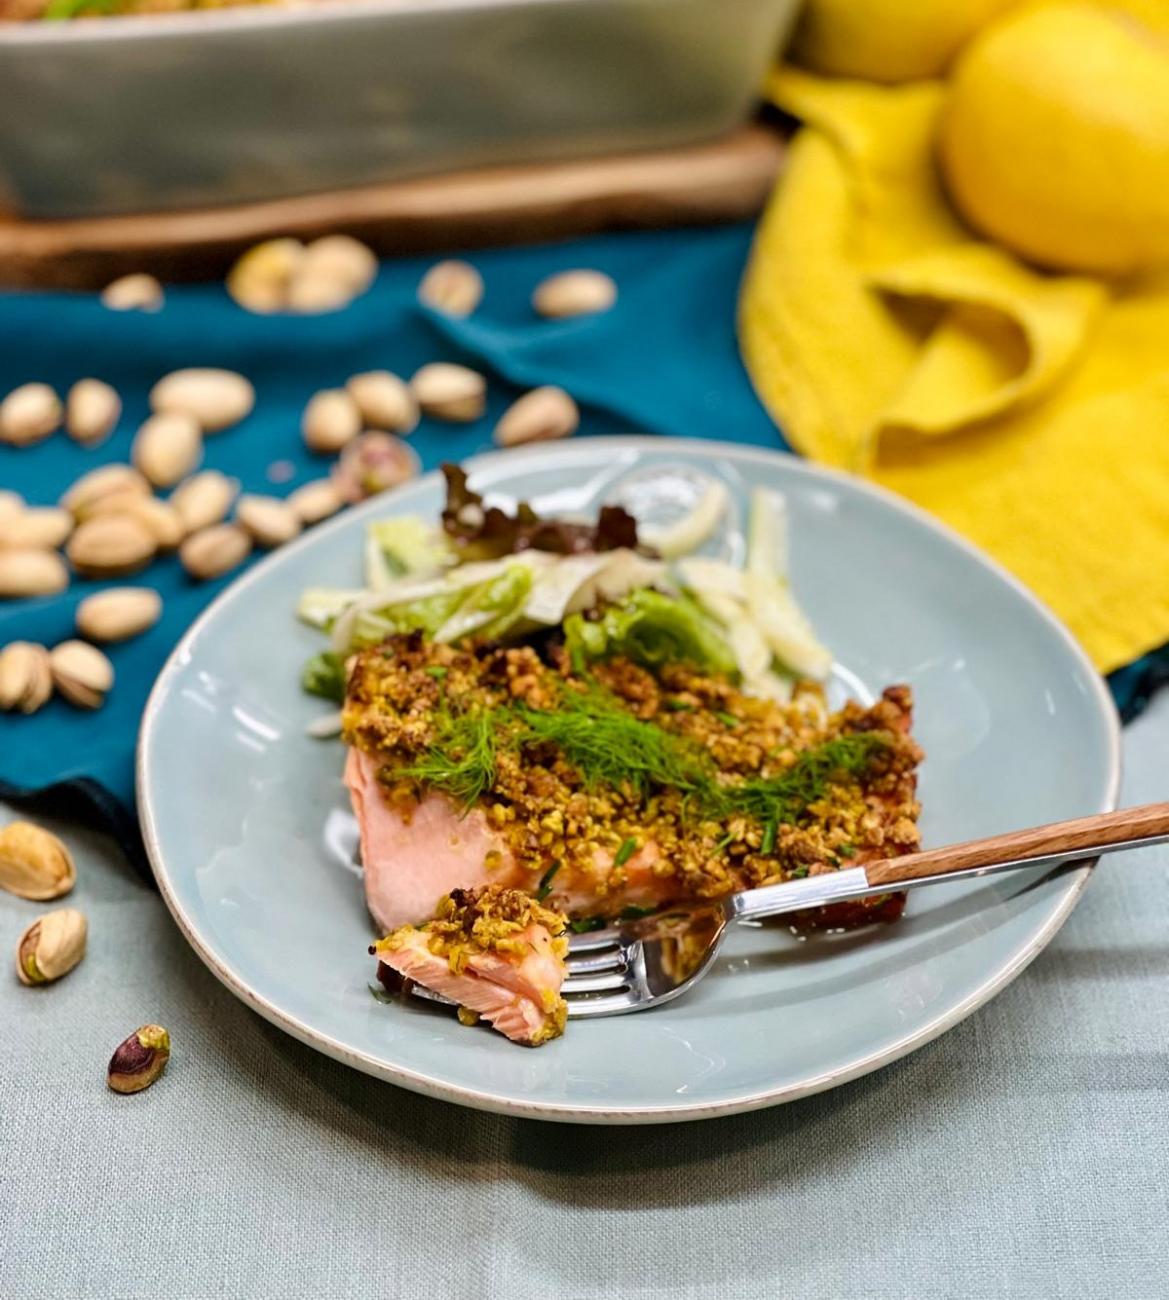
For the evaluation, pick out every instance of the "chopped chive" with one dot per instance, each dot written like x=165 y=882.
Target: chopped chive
x=767 y=844
x=625 y=852
x=723 y=843
x=632 y=913
x=590 y=923
x=437 y=671
x=545 y=886
x=846 y=851
x=677 y=706
x=799 y=873
x=727 y=719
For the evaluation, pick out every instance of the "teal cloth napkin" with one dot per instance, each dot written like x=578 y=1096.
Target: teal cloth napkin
x=664 y=360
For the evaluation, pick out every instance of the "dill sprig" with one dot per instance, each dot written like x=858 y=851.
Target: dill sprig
x=783 y=797
x=609 y=746
x=462 y=759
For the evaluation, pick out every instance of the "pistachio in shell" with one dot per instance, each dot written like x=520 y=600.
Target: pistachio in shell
x=34 y=863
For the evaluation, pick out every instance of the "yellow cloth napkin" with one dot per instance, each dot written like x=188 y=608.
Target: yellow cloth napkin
x=1029 y=411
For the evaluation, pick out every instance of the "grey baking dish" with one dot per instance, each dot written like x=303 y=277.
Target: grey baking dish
x=230 y=105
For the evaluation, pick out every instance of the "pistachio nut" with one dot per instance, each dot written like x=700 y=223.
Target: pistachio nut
x=316 y=292
x=260 y=279
x=138 y=1061
x=213 y=551
x=34 y=863
x=109 y=546
x=574 y=293
x=82 y=674
x=384 y=400
x=204 y=499
x=168 y=447
x=315 y=501
x=340 y=258
x=51 y=946
x=159 y=518
x=268 y=520
x=31 y=572
x=118 y=613
x=137 y=292
x=453 y=288
x=29 y=414
x=330 y=420
x=373 y=463
x=106 y=481
x=11 y=503
x=216 y=398
x=37 y=528
x=26 y=681
x=450 y=392
x=542 y=414
x=92 y=409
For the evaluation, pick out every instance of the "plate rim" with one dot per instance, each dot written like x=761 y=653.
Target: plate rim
x=428 y=1085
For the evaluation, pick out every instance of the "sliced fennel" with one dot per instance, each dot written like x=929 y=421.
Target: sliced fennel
x=755 y=607
x=688 y=533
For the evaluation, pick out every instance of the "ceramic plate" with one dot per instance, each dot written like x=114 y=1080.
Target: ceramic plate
x=242 y=813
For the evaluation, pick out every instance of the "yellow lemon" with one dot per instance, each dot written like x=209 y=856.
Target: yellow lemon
x=1054 y=139
x=888 y=40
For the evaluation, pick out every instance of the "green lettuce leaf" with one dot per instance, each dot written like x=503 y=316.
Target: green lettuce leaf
x=652 y=630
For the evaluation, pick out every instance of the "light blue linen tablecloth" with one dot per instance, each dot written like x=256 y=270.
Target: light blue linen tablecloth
x=1024 y=1154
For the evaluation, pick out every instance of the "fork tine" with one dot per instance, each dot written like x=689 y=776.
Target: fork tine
x=582 y=1008
x=604 y=959
x=592 y=939
x=602 y=983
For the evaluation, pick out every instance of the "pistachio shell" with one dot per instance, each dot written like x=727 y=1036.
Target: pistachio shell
x=450 y=392
x=213 y=551
x=28 y=414
x=108 y=546
x=11 y=503
x=107 y=480
x=330 y=420
x=204 y=499
x=34 y=863
x=37 y=528
x=384 y=400
x=92 y=409
x=574 y=293
x=137 y=292
x=29 y=572
x=454 y=288
x=119 y=613
x=269 y=521
x=51 y=946
x=341 y=258
x=25 y=678
x=216 y=398
x=537 y=416
x=315 y=501
x=260 y=280
x=318 y=292
x=81 y=673
x=168 y=447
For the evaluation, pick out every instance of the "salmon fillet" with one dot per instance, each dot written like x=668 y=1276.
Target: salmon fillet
x=495 y=952
x=602 y=849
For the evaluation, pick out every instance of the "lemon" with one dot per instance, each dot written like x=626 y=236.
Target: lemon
x=888 y=40
x=1054 y=139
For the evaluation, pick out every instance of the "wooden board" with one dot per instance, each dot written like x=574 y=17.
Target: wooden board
x=723 y=180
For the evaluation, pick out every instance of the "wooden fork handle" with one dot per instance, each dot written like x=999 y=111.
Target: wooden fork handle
x=1085 y=836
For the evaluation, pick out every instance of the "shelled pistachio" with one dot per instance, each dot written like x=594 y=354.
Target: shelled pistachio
x=139 y=1060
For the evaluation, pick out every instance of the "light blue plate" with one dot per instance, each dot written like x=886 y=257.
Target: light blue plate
x=1018 y=729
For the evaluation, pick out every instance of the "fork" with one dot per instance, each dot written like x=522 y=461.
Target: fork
x=635 y=965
